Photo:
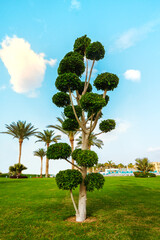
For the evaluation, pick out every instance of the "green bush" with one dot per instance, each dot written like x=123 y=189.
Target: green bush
x=68 y=179
x=59 y=151
x=95 y=51
x=152 y=175
x=140 y=174
x=4 y=175
x=106 y=81
x=81 y=44
x=61 y=99
x=85 y=158
x=70 y=124
x=107 y=125
x=94 y=180
x=68 y=111
x=67 y=81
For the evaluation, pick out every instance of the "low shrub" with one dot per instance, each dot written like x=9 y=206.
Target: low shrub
x=151 y=175
x=144 y=175
x=19 y=176
x=4 y=175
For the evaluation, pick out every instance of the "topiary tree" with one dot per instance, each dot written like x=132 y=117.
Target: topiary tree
x=83 y=115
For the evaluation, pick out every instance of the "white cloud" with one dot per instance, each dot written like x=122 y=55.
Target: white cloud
x=26 y=68
x=133 y=75
x=3 y=87
x=75 y=4
x=133 y=35
x=153 y=149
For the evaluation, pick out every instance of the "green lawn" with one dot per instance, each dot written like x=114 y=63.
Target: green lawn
x=126 y=208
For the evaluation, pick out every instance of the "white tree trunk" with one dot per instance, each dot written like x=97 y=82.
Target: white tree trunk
x=81 y=216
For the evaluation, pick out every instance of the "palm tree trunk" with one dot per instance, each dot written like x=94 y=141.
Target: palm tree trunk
x=71 y=139
x=47 y=163
x=20 y=149
x=41 y=166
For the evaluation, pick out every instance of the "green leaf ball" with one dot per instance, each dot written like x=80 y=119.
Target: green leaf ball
x=94 y=180
x=92 y=102
x=68 y=179
x=59 y=151
x=75 y=54
x=76 y=152
x=85 y=158
x=66 y=81
x=72 y=64
x=68 y=111
x=70 y=124
x=106 y=81
x=95 y=51
x=61 y=99
x=107 y=125
x=81 y=88
x=81 y=44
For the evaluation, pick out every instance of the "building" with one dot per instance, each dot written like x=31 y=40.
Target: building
x=156 y=166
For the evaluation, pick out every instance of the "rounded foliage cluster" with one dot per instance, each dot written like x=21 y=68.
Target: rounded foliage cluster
x=92 y=102
x=59 y=151
x=61 y=99
x=94 y=180
x=75 y=54
x=95 y=51
x=107 y=125
x=68 y=179
x=81 y=88
x=68 y=111
x=107 y=99
x=85 y=158
x=76 y=152
x=106 y=81
x=66 y=81
x=73 y=64
x=70 y=124
x=81 y=44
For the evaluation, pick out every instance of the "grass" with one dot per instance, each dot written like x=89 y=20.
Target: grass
x=126 y=208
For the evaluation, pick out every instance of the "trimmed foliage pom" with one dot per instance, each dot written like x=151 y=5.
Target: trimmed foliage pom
x=106 y=81
x=68 y=179
x=92 y=102
x=61 y=99
x=76 y=54
x=85 y=158
x=72 y=64
x=81 y=44
x=95 y=51
x=59 y=151
x=76 y=152
x=66 y=81
x=107 y=125
x=94 y=180
x=107 y=99
x=70 y=124
x=81 y=88
x=68 y=111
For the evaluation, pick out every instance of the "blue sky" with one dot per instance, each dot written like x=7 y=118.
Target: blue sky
x=35 y=35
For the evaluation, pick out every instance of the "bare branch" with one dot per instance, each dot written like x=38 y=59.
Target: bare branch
x=74 y=204
x=85 y=88
x=74 y=164
x=81 y=125
x=98 y=133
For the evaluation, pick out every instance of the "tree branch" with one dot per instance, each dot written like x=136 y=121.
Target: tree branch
x=98 y=134
x=81 y=125
x=85 y=89
x=75 y=207
x=74 y=164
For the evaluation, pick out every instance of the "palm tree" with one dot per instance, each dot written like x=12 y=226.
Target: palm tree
x=143 y=165
x=40 y=153
x=47 y=137
x=20 y=130
x=130 y=165
x=17 y=169
x=110 y=164
x=93 y=141
x=70 y=134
